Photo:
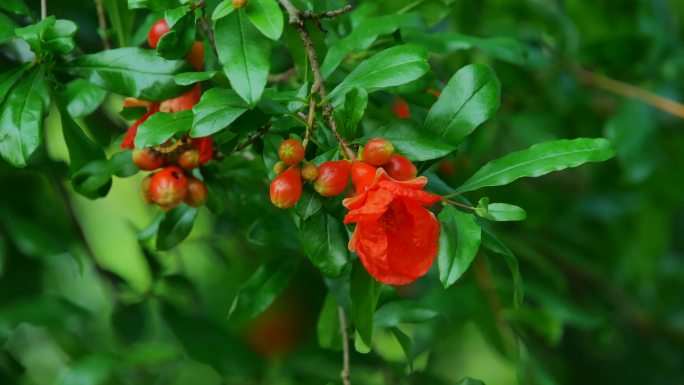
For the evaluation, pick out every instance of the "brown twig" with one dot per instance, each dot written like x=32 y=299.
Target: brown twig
x=630 y=91
x=102 y=23
x=345 y=347
x=207 y=28
x=310 y=121
x=283 y=76
x=262 y=131
x=297 y=20
x=43 y=9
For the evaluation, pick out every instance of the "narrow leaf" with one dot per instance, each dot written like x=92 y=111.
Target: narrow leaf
x=161 y=126
x=538 y=160
x=216 y=109
x=267 y=17
x=175 y=226
x=364 y=291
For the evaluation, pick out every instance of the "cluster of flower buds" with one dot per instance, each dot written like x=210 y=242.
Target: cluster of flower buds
x=177 y=158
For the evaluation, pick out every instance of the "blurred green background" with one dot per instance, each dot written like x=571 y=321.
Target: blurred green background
x=85 y=298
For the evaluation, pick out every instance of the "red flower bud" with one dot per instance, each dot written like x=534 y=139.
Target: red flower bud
x=286 y=188
x=168 y=187
x=156 y=32
x=309 y=172
x=237 y=4
x=197 y=193
x=332 y=177
x=377 y=152
x=146 y=159
x=291 y=151
x=362 y=175
x=189 y=159
x=400 y=168
x=401 y=109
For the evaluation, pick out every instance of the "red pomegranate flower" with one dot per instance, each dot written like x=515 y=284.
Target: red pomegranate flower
x=396 y=237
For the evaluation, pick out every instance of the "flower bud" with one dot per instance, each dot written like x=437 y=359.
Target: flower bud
x=291 y=151
x=332 y=177
x=146 y=159
x=189 y=159
x=286 y=188
x=168 y=187
x=309 y=172
x=400 y=168
x=197 y=193
x=362 y=175
x=279 y=167
x=377 y=152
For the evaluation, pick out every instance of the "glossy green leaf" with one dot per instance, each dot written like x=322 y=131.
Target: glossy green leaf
x=406 y=345
x=59 y=38
x=350 y=115
x=175 y=226
x=33 y=33
x=9 y=78
x=93 y=180
x=470 y=98
x=324 y=240
x=217 y=109
x=309 y=204
x=222 y=10
x=176 y=43
x=459 y=241
x=161 y=126
x=262 y=288
x=391 y=67
x=188 y=78
x=328 y=326
x=539 y=160
x=21 y=118
x=122 y=165
x=501 y=212
x=504 y=48
x=133 y=72
x=402 y=312
x=410 y=140
x=15 y=6
x=267 y=17
x=83 y=98
x=245 y=55
x=363 y=36
x=364 y=292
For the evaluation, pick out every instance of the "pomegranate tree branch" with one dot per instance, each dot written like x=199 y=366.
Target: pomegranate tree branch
x=102 y=23
x=297 y=18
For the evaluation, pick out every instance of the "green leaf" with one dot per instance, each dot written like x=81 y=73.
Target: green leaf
x=82 y=152
x=262 y=288
x=402 y=312
x=83 y=98
x=176 y=43
x=328 y=327
x=93 y=180
x=504 y=48
x=188 y=78
x=7 y=27
x=391 y=67
x=133 y=72
x=349 y=117
x=459 y=241
x=121 y=20
x=538 y=160
x=161 y=126
x=309 y=204
x=21 y=118
x=9 y=78
x=410 y=140
x=245 y=55
x=324 y=240
x=364 y=292
x=363 y=36
x=222 y=10
x=217 y=109
x=501 y=212
x=33 y=34
x=267 y=17
x=492 y=243
x=470 y=98
x=406 y=345
x=122 y=165
x=175 y=226
x=59 y=38
x=153 y=5
x=15 y=6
